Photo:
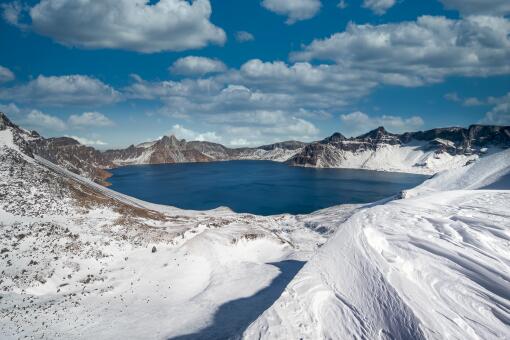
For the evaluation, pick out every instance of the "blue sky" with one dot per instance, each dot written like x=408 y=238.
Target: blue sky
x=250 y=72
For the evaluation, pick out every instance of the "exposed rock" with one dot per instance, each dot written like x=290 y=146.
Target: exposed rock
x=379 y=149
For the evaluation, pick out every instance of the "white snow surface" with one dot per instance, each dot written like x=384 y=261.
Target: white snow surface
x=492 y=172
x=77 y=262
x=413 y=157
x=436 y=266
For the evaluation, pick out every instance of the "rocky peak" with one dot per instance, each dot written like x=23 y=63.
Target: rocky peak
x=5 y=122
x=170 y=140
x=287 y=145
x=376 y=134
x=334 y=138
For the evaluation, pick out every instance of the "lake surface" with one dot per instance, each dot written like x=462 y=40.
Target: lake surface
x=257 y=187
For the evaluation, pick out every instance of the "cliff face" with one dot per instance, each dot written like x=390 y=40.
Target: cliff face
x=422 y=152
x=93 y=164
x=73 y=156
x=171 y=150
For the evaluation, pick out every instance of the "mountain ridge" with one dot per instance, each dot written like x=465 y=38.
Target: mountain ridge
x=425 y=152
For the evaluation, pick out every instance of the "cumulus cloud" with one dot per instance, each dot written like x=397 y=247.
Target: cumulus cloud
x=500 y=113
x=379 y=7
x=452 y=97
x=182 y=133
x=421 y=52
x=88 y=142
x=294 y=10
x=243 y=36
x=90 y=119
x=477 y=7
x=12 y=12
x=471 y=101
x=39 y=119
x=62 y=90
x=192 y=66
x=358 y=123
x=6 y=74
x=10 y=109
x=136 y=25
x=342 y=4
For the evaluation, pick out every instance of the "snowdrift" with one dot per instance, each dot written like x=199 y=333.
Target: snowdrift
x=434 y=266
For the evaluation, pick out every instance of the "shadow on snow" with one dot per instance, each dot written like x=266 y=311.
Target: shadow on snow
x=232 y=318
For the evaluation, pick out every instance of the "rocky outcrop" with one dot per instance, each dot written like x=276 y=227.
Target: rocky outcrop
x=418 y=152
x=73 y=156
x=169 y=149
x=423 y=151
x=20 y=136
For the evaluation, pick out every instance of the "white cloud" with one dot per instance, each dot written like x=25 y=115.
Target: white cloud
x=342 y=4
x=500 y=113
x=379 y=7
x=421 y=52
x=453 y=97
x=39 y=119
x=88 y=142
x=356 y=123
x=243 y=36
x=136 y=25
x=295 y=10
x=10 y=109
x=472 y=101
x=62 y=90
x=191 y=66
x=11 y=12
x=182 y=133
x=477 y=7
x=87 y=119
x=6 y=74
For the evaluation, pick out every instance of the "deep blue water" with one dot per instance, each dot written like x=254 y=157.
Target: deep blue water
x=257 y=187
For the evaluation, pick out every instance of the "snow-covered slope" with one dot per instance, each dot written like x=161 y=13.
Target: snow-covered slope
x=411 y=158
x=435 y=266
x=426 y=152
x=491 y=172
x=79 y=261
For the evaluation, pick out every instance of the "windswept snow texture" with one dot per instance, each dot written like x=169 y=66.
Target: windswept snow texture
x=435 y=266
x=79 y=261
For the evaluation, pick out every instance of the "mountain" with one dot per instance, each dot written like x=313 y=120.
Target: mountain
x=433 y=264
x=171 y=150
x=425 y=152
x=94 y=164
x=76 y=253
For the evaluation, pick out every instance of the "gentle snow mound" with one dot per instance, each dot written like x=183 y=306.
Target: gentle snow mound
x=491 y=172
x=430 y=267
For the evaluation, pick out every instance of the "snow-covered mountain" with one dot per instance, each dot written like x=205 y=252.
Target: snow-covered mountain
x=425 y=152
x=80 y=261
x=169 y=149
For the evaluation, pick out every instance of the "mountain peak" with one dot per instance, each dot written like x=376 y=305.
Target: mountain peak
x=376 y=133
x=170 y=140
x=336 y=137
x=5 y=122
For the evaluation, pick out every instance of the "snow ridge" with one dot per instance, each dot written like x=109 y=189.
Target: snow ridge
x=433 y=266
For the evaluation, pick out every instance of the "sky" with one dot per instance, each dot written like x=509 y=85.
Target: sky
x=113 y=73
